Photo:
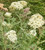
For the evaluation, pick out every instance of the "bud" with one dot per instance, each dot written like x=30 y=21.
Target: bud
x=7 y=14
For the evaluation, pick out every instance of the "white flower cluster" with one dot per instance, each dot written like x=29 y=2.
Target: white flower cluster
x=36 y=21
x=17 y=5
x=24 y=3
x=7 y=14
x=33 y=32
x=11 y=35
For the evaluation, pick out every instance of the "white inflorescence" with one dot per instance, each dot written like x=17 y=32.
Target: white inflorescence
x=8 y=14
x=17 y=5
x=33 y=32
x=36 y=21
x=11 y=35
x=24 y=3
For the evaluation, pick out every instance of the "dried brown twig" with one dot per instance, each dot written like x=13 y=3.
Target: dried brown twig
x=2 y=8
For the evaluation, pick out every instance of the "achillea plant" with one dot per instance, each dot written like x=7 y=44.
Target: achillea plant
x=22 y=27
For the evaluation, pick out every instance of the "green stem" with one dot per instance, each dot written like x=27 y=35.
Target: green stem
x=41 y=42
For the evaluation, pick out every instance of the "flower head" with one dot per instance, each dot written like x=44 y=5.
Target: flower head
x=36 y=21
x=11 y=35
x=17 y=5
x=24 y=3
x=33 y=32
x=7 y=14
